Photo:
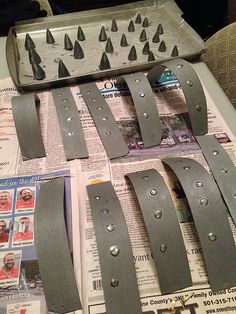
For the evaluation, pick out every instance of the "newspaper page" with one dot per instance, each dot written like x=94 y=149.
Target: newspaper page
x=196 y=299
x=21 y=288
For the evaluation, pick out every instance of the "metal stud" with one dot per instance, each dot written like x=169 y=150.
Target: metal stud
x=142 y=94
x=158 y=214
x=145 y=115
x=108 y=133
x=212 y=236
x=105 y=211
x=114 y=250
x=186 y=167
x=215 y=152
x=199 y=184
x=224 y=170
x=97 y=197
x=198 y=107
x=163 y=248
x=204 y=201
x=153 y=192
x=190 y=83
x=114 y=282
x=110 y=227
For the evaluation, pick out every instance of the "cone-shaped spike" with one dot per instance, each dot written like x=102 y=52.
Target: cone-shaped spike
x=175 y=52
x=38 y=72
x=33 y=56
x=123 y=41
x=109 y=47
x=104 y=63
x=162 y=46
x=138 y=19
x=160 y=29
x=78 y=51
x=156 y=38
x=80 y=34
x=49 y=38
x=102 y=35
x=143 y=35
x=146 y=49
x=67 y=43
x=131 y=27
x=29 y=44
x=151 y=56
x=114 y=27
x=145 y=22
x=62 y=70
x=132 y=54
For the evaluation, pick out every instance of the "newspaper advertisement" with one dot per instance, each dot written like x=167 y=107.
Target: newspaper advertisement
x=196 y=299
x=21 y=288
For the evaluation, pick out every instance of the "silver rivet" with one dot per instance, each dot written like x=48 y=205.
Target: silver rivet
x=108 y=133
x=65 y=99
x=199 y=184
x=97 y=197
x=179 y=66
x=145 y=177
x=145 y=115
x=69 y=119
x=215 y=152
x=70 y=133
x=66 y=107
x=198 y=107
x=153 y=191
x=224 y=170
x=59 y=94
x=141 y=94
x=99 y=108
x=212 y=236
x=186 y=167
x=110 y=227
x=114 y=250
x=104 y=118
x=204 y=201
x=158 y=214
x=137 y=80
x=105 y=210
x=88 y=92
x=114 y=282
x=94 y=99
x=163 y=248
x=190 y=83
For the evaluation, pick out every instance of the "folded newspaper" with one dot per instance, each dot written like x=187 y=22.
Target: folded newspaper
x=24 y=292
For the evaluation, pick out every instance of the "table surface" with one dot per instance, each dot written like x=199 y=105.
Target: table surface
x=220 y=99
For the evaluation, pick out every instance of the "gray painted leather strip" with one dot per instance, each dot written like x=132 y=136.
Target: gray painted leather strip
x=70 y=124
x=192 y=89
x=163 y=230
x=108 y=130
x=211 y=220
x=146 y=108
x=27 y=126
x=222 y=169
x=53 y=251
x=114 y=249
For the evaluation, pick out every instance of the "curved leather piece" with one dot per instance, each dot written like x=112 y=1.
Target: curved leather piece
x=211 y=220
x=192 y=89
x=163 y=230
x=27 y=126
x=108 y=130
x=70 y=124
x=146 y=108
x=115 y=254
x=53 y=251
x=222 y=169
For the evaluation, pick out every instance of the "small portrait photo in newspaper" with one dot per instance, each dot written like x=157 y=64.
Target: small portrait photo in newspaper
x=25 y=199
x=5 y=229
x=6 y=202
x=23 y=234
x=9 y=268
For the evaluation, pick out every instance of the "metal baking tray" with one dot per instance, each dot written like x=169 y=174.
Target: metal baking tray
x=176 y=32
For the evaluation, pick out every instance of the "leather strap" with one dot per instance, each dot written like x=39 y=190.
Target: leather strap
x=27 y=126
x=53 y=251
x=146 y=108
x=108 y=130
x=222 y=169
x=70 y=124
x=210 y=217
x=163 y=230
x=114 y=249
x=192 y=89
